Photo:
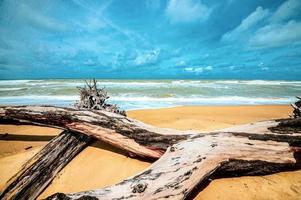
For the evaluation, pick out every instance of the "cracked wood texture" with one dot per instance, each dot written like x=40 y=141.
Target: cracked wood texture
x=189 y=163
x=259 y=148
x=252 y=149
x=130 y=135
x=40 y=170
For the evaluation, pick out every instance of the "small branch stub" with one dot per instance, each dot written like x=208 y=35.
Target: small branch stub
x=139 y=188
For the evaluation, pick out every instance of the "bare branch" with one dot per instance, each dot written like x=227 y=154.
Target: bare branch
x=93 y=98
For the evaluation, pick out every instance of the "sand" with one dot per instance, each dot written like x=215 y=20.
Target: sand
x=207 y=118
x=101 y=165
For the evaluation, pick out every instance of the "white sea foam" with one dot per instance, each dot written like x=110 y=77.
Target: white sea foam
x=152 y=94
x=11 y=89
x=41 y=97
x=12 y=82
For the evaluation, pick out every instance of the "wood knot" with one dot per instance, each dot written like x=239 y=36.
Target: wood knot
x=139 y=188
x=213 y=145
x=172 y=149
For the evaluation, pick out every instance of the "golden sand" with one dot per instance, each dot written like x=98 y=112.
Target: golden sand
x=101 y=165
x=207 y=118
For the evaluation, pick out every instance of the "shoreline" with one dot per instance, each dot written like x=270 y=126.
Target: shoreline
x=206 y=105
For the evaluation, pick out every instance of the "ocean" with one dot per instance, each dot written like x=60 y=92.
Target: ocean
x=142 y=94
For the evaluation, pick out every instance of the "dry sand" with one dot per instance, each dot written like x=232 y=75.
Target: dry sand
x=207 y=118
x=100 y=165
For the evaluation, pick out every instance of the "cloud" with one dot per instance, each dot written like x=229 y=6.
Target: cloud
x=181 y=63
x=171 y=38
x=264 y=29
x=209 y=68
x=254 y=18
x=89 y=62
x=232 y=67
x=38 y=20
x=186 y=11
x=148 y=58
x=198 y=69
x=275 y=35
x=287 y=10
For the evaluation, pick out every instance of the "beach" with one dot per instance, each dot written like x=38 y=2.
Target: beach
x=100 y=165
x=153 y=99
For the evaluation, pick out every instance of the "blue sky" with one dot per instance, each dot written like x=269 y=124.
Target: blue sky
x=176 y=39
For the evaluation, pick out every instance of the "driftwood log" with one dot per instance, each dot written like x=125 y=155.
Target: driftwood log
x=189 y=158
x=38 y=172
x=128 y=134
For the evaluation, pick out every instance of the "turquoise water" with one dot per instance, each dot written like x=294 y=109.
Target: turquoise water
x=139 y=94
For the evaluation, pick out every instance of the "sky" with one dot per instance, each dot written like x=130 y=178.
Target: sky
x=150 y=39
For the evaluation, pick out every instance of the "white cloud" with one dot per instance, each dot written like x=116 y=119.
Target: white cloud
x=147 y=58
x=38 y=20
x=181 y=63
x=287 y=10
x=260 y=64
x=209 y=68
x=197 y=69
x=263 y=29
x=254 y=18
x=232 y=67
x=188 y=69
x=186 y=11
x=89 y=62
x=275 y=35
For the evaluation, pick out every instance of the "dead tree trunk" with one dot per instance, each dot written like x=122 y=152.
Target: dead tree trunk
x=259 y=148
x=191 y=162
x=122 y=132
x=39 y=171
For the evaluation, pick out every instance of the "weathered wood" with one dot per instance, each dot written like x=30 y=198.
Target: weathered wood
x=94 y=98
x=294 y=106
x=258 y=148
x=251 y=149
x=191 y=162
x=39 y=171
x=287 y=126
x=125 y=133
x=297 y=108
